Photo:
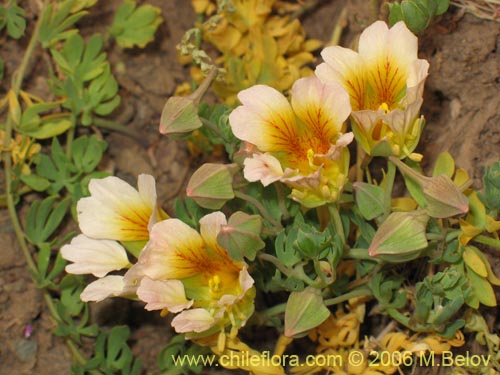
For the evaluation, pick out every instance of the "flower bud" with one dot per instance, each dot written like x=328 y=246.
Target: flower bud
x=444 y=199
x=438 y=195
x=304 y=310
x=401 y=237
x=211 y=185
x=179 y=115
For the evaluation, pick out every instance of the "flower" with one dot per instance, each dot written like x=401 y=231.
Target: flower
x=301 y=144
x=188 y=272
x=385 y=82
x=117 y=211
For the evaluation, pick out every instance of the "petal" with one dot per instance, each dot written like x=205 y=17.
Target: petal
x=116 y=211
x=416 y=79
x=210 y=226
x=97 y=257
x=345 y=67
x=265 y=119
x=109 y=286
x=175 y=251
x=264 y=168
x=246 y=282
x=163 y=294
x=322 y=107
x=195 y=320
x=400 y=121
x=373 y=41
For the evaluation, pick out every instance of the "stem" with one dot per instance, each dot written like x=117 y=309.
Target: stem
x=279 y=309
x=209 y=124
x=485 y=240
x=361 y=254
x=339 y=27
x=16 y=83
x=297 y=271
x=361 y=292
x=281 y=201
x=391 y=175
x=114 y=126
x=260 y=207
x=70 y=136
x=337 y=221
x=203 y=87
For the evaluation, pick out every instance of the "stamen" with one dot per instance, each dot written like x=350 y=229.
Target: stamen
x=384 y=107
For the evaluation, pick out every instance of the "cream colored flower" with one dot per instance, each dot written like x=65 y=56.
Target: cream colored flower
x=188 y=272
x=117 y=211
x=300 y=143
x=385 y=82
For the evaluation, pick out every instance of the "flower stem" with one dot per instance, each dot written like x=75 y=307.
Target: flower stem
x=391 y=175
x=281 y=201
x=209 y=124
x=260 y=207
x=16 y=83
x=337 y=221
x=114 y=126
x=360 y=292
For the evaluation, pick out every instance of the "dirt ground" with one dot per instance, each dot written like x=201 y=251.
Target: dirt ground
x=461 y=106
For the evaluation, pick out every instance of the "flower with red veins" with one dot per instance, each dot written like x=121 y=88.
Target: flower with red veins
x=385 y=82
x=301 y=143
x=117 y=211
x=189 y=273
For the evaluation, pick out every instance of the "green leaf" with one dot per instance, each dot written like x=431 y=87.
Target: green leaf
x=135 y=26
x=286 y=253
x=12 y=15
x=43 y=259
x=87 y=152
x=441 y=6
x=35 y=182
x=444 y=165
x=481 y=288
x=370 y=199
x=50 y=128
x=56 y=19
x=44 y=218
x=89 y=86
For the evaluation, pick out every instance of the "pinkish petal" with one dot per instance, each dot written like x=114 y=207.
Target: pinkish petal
x=163 y=294
x=194 y=320
x=109 y=286
x=210 y=226
x=98 y=257
x=264 y=168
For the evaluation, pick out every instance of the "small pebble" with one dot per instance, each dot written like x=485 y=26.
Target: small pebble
x=26 y=349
